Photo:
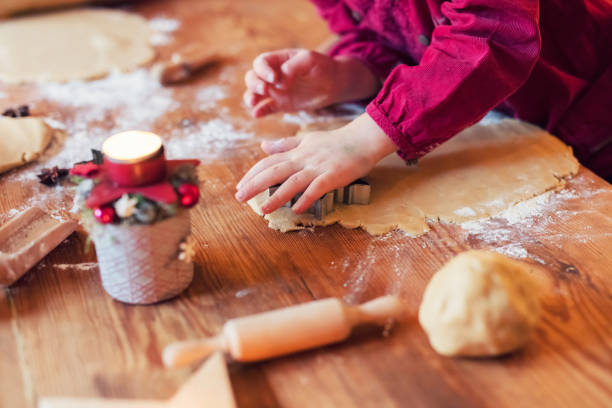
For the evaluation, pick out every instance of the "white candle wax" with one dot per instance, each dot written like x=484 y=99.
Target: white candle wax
x=132 y=146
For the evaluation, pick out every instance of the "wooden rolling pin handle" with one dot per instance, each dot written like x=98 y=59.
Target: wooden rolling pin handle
x=186 y=352
x=184 y=64
x=378 y=311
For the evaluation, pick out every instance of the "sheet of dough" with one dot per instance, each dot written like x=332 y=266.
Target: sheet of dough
x=8 y=7
x=13 y=6
x=479 y=173
x=72 y=45
x=22 y=140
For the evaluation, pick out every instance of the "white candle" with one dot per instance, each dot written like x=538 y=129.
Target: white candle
x=133 y=146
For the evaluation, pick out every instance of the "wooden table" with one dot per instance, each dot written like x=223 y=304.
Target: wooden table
x=60 y=334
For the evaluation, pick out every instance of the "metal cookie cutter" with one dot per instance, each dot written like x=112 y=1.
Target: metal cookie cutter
x=358 y=192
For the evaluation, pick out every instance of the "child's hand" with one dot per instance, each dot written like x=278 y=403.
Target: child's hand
x=315 y=163
x=294 y=79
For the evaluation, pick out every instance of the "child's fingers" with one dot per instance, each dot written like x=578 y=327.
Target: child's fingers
x=251 y=99
x=301 y=63
x=254 y=83
x=263 y=69
x=269 y=177
x=261 y=166
x=281 y=145
x=292 y=186
x=267 y=65
x=324 y=183
x=265 y=107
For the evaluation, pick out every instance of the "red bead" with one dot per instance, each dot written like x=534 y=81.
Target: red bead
x=105 y=215
x=189 y=194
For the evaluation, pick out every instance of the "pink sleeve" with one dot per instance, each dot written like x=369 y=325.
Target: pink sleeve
x=483 y=56
x=357 y=42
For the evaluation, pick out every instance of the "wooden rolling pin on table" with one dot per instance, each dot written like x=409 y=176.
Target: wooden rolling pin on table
x=288 y=330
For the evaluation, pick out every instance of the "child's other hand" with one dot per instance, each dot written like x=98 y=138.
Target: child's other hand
x=294 y=79
x=316 y=163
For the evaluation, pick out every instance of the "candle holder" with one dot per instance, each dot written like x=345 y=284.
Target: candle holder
x=135 y=205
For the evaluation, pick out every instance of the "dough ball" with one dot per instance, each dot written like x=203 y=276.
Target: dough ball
x=479 y=304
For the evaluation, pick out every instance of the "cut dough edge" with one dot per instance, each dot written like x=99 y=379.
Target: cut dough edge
x=531 y=162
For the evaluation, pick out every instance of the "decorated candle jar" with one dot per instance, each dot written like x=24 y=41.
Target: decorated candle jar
x=135 y=205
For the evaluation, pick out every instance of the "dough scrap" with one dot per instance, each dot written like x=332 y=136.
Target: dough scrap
x=22 y=140
x=72 y=45
x=479 y=304
x=479 y=173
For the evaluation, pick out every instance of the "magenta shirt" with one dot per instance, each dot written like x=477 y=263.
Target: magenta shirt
x=445 y=64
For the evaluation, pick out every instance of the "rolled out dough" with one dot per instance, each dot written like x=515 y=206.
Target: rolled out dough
x=479 y=173
x=14 y=6
x=22 y=140
x=72 y=45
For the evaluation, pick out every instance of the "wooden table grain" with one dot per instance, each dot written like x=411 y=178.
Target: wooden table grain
x=61 y=335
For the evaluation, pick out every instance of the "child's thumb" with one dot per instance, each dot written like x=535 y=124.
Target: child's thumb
x=299 y=64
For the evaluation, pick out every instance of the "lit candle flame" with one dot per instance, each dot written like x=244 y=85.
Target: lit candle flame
x=132 y=146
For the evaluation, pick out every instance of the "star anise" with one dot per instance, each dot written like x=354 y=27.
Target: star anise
x=52 y=176
x=19 y=112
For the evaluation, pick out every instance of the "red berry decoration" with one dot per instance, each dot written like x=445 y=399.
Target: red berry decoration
x=189 y=194
x=105 y=215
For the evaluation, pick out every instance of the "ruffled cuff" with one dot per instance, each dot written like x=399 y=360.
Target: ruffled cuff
x=406 y=150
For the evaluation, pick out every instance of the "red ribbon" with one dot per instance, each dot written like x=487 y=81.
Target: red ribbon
x=106 y=190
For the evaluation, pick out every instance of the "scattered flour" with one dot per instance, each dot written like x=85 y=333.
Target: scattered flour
x=8 y=215
x=55 y=124
x=515 y=250
x=131 y=100
x=163 y=28
x=527 y=221
x=209 y=96
x=126 y=101
x=164 y=24
x=90 y=111
x=362 y=267
x=362 y=273
x=12 y=212
x=205 y=139
x=465 y=212
x=243 y=292
x=82 y=267
x=510 y=233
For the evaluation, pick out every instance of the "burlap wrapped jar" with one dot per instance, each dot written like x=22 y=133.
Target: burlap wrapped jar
x=140 y=264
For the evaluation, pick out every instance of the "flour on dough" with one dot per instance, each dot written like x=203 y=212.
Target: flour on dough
x=479 y=173
x=22 y=140
x=72 y=45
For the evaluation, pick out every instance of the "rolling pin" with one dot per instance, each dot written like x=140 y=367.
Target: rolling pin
x=287 y=330
x=184 y=64
x=28 y=238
